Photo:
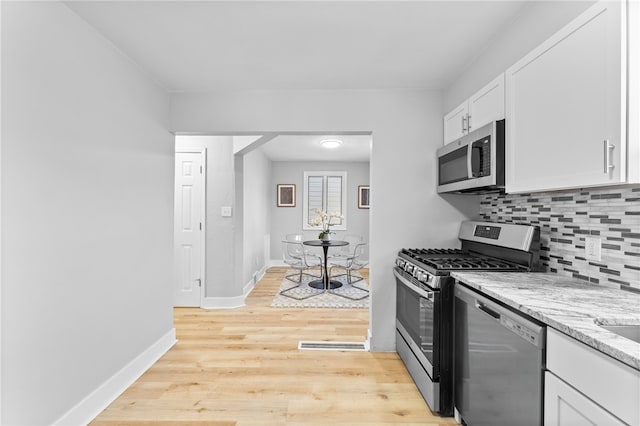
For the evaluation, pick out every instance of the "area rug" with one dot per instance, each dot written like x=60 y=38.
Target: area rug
x=323 y=300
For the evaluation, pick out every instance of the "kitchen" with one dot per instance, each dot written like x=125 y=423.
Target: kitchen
x=496 y=333
x=407 y=129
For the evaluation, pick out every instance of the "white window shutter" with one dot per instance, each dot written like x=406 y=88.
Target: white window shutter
x=314 y=195
x=334 y=194
x=325 y=191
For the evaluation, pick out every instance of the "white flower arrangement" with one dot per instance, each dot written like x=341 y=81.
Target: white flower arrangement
x=325 y=220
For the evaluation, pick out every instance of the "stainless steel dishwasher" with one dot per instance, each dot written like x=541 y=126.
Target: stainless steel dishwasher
x=499 y=362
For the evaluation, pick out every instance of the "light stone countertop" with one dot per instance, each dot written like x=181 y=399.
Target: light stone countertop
x=567 y=304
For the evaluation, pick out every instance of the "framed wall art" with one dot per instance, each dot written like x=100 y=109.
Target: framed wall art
x=363 y=196
x=286 y=195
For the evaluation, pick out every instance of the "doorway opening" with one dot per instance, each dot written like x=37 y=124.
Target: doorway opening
x=242 y=174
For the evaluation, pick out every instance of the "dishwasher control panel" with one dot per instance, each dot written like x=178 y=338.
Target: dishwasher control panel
x=523 y=331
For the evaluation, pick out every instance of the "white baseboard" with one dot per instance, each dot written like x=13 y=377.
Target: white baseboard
x=261 y=272
x=223 y=302
x=257 y=276
x=248 y=287
x=234 y=301
x=93 y=404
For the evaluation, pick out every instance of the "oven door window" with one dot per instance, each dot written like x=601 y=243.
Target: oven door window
x=418 y=316
x=453 y=166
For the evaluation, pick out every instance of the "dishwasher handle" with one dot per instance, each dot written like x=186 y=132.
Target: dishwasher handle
x=516 y=323
x=484 y=308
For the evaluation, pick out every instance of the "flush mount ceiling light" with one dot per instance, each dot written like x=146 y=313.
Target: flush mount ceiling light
x=330 y=143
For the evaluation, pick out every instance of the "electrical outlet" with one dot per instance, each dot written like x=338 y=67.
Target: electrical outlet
x=593 y=248
x=225 y=211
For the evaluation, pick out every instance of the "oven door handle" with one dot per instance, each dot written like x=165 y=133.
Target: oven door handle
x=429 y=295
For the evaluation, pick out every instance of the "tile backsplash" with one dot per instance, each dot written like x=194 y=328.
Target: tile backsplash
x=566 y=218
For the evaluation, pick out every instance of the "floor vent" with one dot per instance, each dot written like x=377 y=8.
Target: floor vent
x=332 y=346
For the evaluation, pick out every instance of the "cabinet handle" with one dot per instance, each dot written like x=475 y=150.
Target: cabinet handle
x=607 y=156
x=464 y=123
x=468 y=122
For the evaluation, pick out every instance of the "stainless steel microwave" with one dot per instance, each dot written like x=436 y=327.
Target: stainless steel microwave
x=474 y=163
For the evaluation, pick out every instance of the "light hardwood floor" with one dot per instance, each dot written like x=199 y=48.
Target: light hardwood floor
x=242 y=367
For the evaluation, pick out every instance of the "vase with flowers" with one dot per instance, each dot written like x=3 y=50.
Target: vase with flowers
x=325 y=220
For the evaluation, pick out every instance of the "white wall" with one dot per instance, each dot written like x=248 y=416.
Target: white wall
x=0 y=216
x=219 y=278
x=257 y=213
x=288 y=220
x=537 y=22
x=240 y=142
x=407 y=129
x=87 y=171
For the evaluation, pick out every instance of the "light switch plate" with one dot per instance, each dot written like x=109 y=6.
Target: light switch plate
x=225 y=211
x=593 y=248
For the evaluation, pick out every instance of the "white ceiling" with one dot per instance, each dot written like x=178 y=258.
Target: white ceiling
x=308 y=148
x=204 y=46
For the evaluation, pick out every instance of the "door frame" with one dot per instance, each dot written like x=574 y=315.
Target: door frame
x=203 y=213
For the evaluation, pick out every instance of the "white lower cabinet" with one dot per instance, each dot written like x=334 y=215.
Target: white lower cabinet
x=565 y=406
x=586 y=387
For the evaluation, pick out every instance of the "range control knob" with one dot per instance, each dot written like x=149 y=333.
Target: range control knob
x=420 y=275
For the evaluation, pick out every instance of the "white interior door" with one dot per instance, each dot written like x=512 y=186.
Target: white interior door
x=189 y=229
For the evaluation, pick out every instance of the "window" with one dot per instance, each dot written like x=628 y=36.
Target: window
x=325 y=191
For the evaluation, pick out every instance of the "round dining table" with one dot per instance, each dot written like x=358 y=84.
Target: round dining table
x=325 y=283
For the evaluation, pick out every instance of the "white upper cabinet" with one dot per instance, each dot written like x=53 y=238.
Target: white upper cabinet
x=485 y=106
x=633 y=90
x=455 y=122
x=565 y=106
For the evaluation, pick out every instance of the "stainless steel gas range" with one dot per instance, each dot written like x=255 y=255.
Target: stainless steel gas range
x=425 y=298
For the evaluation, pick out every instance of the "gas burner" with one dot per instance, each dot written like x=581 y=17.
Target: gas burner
x=485 y=246
x=424 y=254
x=442 y=260
x=432 y=252
x=471 y=262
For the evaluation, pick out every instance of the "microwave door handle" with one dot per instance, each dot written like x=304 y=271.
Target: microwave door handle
x=469 y=161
